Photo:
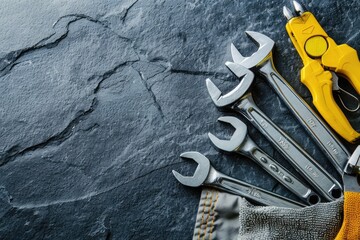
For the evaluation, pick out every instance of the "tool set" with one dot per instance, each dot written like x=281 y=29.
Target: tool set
x=241 y=143
x=242 y=102
x=262 y=62
x=323 y=59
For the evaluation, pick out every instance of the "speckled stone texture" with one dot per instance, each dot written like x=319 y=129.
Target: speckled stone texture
x=99 y=98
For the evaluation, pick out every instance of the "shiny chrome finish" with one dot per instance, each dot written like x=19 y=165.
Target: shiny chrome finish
x=206 y=175
x=242 y=144
x=351 y=177
x=303 y=162
x=317 y=129
x=287 y=13
x=298 y=8
x=353 y=165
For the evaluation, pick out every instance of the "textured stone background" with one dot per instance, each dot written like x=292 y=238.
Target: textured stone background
x=99 y=98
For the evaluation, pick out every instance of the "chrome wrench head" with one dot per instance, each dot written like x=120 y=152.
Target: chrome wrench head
x=353 y=165
x=265 y=44
x=201 y=172
x=351 y=176
x=221 y=100
x=237 y=138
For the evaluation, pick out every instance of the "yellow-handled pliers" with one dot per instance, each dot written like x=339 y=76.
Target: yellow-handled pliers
x=321 y=56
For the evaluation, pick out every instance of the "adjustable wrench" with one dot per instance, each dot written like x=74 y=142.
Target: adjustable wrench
x=262 y=61
x=206 y=175
x=242 y=144
x=240 y=100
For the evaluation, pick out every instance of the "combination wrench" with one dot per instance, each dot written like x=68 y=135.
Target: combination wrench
x=263 y=62
x=207 y=175
x=240 y=100
x=241 y=143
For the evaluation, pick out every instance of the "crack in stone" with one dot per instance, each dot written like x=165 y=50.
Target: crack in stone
x=91 y=194
x=16 y=150
x=109 y=73
x=123 y=18
x=8 y=62
x=197 y=73
x=159 y=80
x=152 y=95
x=91 y=128
x=57 y=139
x=94 y=20
x=161 y=60
x=11 y=58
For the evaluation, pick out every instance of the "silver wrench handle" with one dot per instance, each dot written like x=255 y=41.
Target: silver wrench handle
x=322 y=135
x=280 y=173
x=255 y=194
x=303 y=162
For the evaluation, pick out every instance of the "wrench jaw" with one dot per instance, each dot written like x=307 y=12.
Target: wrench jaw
x=351 y=176
x=236 y=55
x=353 y=165
x=234 y=95
x=265 y=45
x=241 y=72
x=236 y=139
x=201 y=173
x=215 y=93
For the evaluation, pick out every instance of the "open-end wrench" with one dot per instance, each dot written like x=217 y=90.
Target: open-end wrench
x=241 y=143
x=206 y=175
x=262 y=61
x=240 y=100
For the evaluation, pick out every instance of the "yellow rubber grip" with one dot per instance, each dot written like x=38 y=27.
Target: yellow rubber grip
x=319 y=84
x=344 y=60
x=350 y=228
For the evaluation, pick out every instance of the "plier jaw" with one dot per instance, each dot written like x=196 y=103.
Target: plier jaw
x=321 y=56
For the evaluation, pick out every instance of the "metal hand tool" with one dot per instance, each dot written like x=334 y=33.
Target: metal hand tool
x=240 y=100
x=242 y=144
x=206 y=175
x=350 y=228
x=321 y=56
x=262 y=61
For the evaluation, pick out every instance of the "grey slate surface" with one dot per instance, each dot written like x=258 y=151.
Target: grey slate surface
x=99 y=98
